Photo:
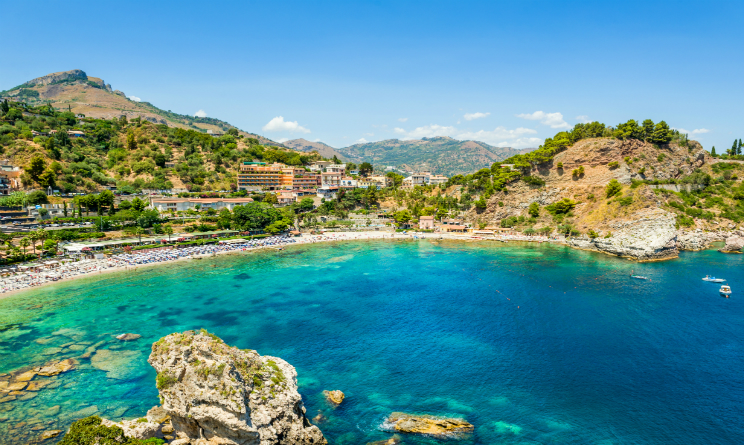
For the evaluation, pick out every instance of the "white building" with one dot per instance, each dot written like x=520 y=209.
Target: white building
x=184 y=204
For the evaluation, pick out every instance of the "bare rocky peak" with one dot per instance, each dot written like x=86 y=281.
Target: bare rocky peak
x=218 y=394
x=58 y=77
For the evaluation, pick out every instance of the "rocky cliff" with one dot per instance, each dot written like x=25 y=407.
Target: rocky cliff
x=58 y=77
x=650 y=236
x=217 y=394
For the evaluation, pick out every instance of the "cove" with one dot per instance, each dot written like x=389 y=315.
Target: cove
x=530 y=343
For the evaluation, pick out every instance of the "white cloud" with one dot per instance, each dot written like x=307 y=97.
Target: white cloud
x=695 y=131
x=474 y=116
x=583 y=119
x=134 y=98
x=428 y=131
x=279 y=124
x=554 y=120
x=368 y=134
x=499 y=136
x=282 y=140
x=361 y=141
x=403 y=119
x=200 y=113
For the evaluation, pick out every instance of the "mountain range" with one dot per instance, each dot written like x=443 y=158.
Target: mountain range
x=441 y=155
x=93 y=97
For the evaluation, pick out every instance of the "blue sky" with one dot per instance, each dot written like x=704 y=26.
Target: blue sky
x=507 y=73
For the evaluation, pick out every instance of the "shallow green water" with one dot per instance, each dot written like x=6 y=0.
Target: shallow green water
x=530 y=343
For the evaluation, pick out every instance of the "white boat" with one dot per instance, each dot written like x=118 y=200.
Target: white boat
x=713 y=279
x=725 y=290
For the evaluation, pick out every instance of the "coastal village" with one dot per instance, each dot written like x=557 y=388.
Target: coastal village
x=85 y=194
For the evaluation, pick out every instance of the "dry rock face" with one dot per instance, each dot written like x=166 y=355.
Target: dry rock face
x=217 y=394
x=651 y=236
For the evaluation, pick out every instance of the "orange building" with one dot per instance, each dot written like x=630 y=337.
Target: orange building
x=260 y=176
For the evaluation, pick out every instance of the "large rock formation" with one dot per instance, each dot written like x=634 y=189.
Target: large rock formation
x=697 y=239
x=217 y=394
x=650 y=236
x=734 y=244
x=58 y=77
x=428 y=425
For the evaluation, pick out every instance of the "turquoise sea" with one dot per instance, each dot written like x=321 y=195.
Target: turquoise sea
x=533 y=344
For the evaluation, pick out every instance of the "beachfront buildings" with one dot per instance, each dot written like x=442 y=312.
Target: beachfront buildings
x=10 y=177
x=257 y=176
x=426 y=223
x=202 y=204
x=423 y=178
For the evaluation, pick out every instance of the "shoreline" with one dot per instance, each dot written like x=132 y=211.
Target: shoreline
x=304 y=239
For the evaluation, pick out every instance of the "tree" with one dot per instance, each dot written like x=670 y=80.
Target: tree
x=270 y=198
x=402 y=216
x=168 y=229
x=397 y=179
x=139 y=205
x=43 y=212
x=662 y=133
x=534 y=210
x=713 y=151
x=37 y=197
x=42 y=235
x=629 y=130
x=106 y=199
x=139 y=231
x=254 y=216
x=648 y=129
x=306 y=204
x=481 y=204
x=24 y=243
x=336 y=160
x=365 y=168
x=33 y=237
x=131 y=142
x=613 y=188
x=36 y=167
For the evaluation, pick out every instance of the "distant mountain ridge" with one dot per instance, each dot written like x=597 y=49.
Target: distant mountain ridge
x=442 y=155
x=95 y=98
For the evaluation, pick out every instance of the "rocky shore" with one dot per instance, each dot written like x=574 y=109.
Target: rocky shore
x=653 y=236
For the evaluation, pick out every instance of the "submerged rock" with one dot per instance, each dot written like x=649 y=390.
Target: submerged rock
x=429 y=425
x=121 y=365
x=336 y=397
x=128 y=337
x=217 y=394
x=49 y=434
x=55 y=368
x=395 y=440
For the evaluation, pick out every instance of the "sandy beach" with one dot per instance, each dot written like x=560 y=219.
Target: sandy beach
x=23 y=281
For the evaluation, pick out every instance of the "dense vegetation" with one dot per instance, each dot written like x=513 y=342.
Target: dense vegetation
x=658 y=133
x=130 y=155
x=90 y=431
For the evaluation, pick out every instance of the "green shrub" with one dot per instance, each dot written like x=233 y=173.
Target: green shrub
x=89 y=431
x=613 y=188
x=613 y=164
x=164 y=380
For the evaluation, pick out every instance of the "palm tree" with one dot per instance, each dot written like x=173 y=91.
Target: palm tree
x=24 y=242
x=139 y=231
x=33 y=238
x=168 y=229
x=43 y=235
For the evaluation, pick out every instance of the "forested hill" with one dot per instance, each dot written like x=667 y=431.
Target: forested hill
x=75 y=91
x=441 y=155
x=131 y=154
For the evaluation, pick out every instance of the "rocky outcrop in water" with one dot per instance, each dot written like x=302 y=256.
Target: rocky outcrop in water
x=734 y=244
x=429 y=425
x=335 y=397
x=650 y=236
x=217 y=394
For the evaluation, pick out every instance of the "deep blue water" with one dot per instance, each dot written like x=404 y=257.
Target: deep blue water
x=533 y=344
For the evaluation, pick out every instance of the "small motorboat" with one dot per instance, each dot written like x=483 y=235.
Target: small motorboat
x=725 y=291
x=639 y=277
x=713 y=279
